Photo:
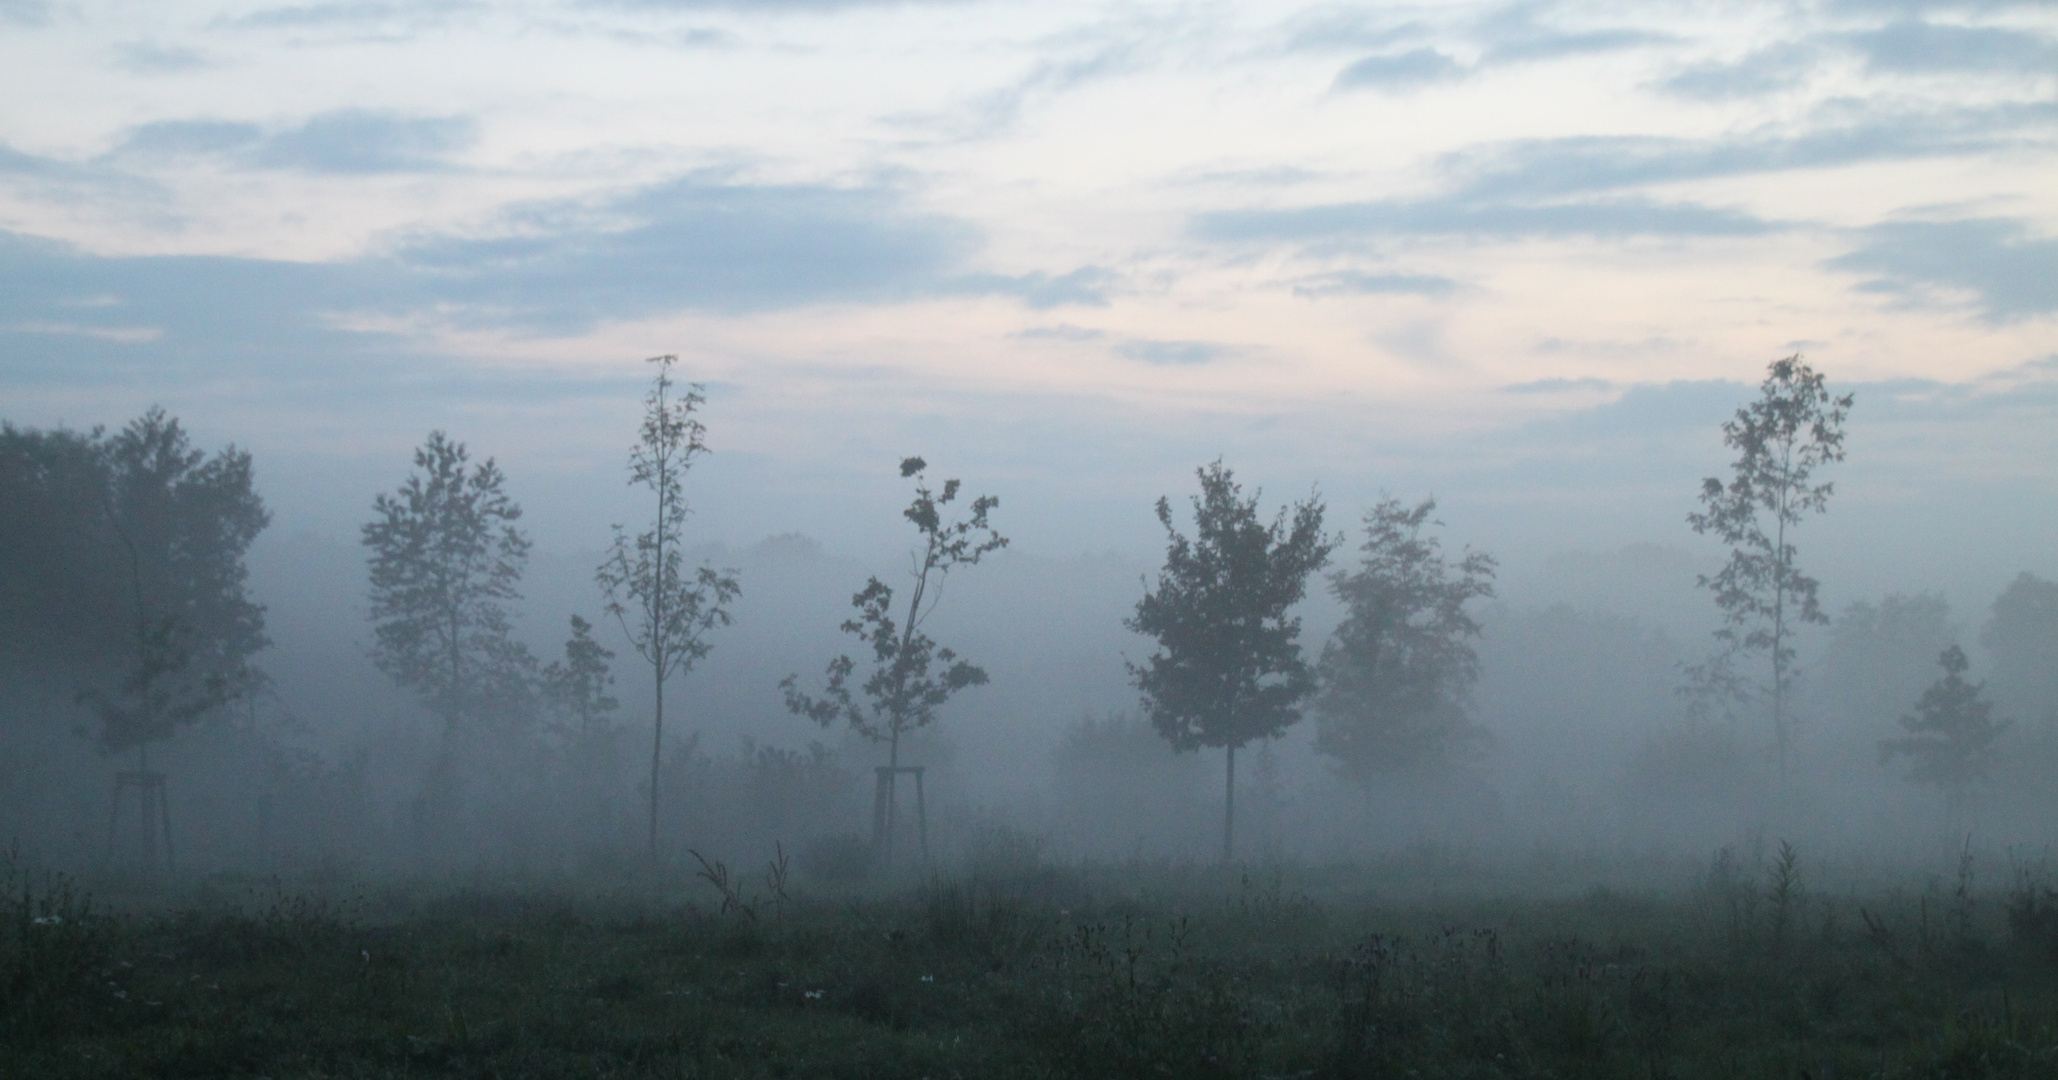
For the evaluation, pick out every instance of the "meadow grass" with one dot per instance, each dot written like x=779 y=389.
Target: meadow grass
x=1032 y=971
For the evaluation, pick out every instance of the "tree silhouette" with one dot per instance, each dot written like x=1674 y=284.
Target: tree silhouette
x=578 y=687
x=667 y=612
x=2021 y=635
x=1228 y=668
x=903 y=693
x=1950 y=736
x=1396 y=673
x=445 y=558
x=1794 y=428
x=182 y=522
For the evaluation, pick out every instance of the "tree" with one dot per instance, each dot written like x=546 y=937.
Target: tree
x=1397 y=672
x=2022 y=636
x=1794 y=428
x=181 y=522
x=446 y=558
x=1951 y=733
x=667 y=613
x=1878 y=658
x=903 y=693
x=578 y=686
x=1228 y=667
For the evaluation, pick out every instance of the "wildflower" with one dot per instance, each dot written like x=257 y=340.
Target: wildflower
x=46 y=920
x=928 y=978
x=813 y=995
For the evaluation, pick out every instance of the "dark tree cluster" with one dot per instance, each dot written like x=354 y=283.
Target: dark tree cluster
x=1392 y=684
x=121 y=570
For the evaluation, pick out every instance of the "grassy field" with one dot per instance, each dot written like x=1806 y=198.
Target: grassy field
x=1043 y=971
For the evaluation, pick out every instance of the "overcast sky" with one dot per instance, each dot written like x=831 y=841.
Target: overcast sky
x=1526 y=256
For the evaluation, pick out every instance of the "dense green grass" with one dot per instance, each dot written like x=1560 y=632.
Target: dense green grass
x=1040 y=973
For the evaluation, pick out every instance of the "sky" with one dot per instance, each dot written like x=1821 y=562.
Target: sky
x=1526 y=257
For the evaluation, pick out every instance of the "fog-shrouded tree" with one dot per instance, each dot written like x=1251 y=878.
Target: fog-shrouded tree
x=446 y=560
x=2021 y=635
x=181 y=522
x=1951 y=734
x=910 y=676
x=1878 y=658
x=579 y=687
x=1793 y=428
x=667 y=611
x=1397 y=673
x=1228 y=668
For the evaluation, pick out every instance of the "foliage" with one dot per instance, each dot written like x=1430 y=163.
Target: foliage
x=1951 y=733
x=1878 y=656
x=578 y=686
x=123 y=556
x=667 y=613
x=1228 y=667
x=1397 y=672
x=2021 y=635
x=903 y=693
x=1794 y=428
x=445 y=558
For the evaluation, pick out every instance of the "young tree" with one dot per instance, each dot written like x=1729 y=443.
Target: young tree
x=1397 y=672
x=1228 y=668
x=1794 y=428
x=578 y=687
x=667 y=613
x=903 y=693
x=445 y=559
x=1951 y=734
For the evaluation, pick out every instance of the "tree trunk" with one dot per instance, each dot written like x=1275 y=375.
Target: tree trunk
x=657 y=744
x=1229 y=807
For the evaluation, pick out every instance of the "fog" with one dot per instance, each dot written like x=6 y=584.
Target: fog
x=1588 y=750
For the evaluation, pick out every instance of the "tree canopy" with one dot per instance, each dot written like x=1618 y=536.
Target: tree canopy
x=446 y=558
x=1951 y=733
x=1228 y=668
x=904 y=691
x=1793 y=428
x=122 y=563
x=1396 y=674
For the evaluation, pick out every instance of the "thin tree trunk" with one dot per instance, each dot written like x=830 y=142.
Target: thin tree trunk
x=1229 y=807
x=1779 y=647
x=657 y=743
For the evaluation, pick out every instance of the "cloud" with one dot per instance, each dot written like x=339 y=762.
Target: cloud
x=1359 y=283
x=352 y=13
x=2009 y=272
x=149 y=58
x=1580 y=164
x=1338 y=29
x=1061 y=332
x=1932 y=47
x=349 y=141
x=1398 y=71
x=1103 y=53
x=696 y=243
x=770 y=7
x=1513 y=34
x=1039 y=291
x=1559 y=386
x=1172 y=353
x=1763 y=71
x=1342 y=223
x=67 y=182
x=25 y=12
